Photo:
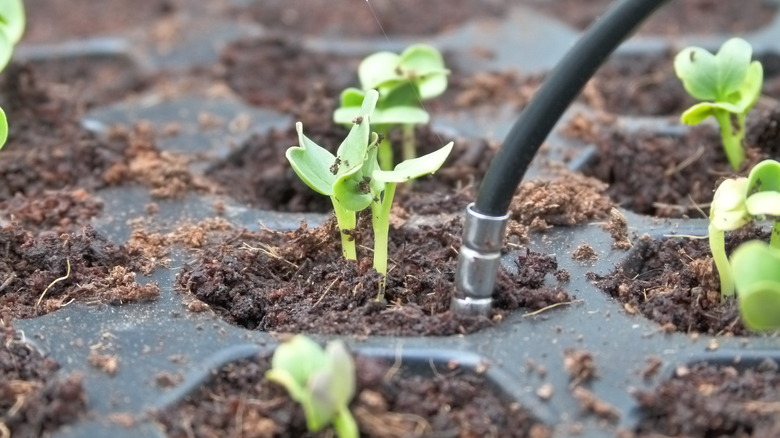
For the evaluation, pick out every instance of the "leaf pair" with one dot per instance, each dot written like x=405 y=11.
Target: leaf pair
x=353 y=176
x=730 y=85
x=418 y=73
x=322 y=381
x=738 y=201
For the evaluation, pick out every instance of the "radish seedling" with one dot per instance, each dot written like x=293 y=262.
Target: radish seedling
x=731 y=84
x=754 y=265
x=354 y=181
x=322 y=381
x=403 y=82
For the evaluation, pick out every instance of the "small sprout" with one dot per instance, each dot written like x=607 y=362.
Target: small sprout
x=358 y=182
x=738 y=201
x=403 y=82
x=322 y=381
x=730 y=85
x=12 y=23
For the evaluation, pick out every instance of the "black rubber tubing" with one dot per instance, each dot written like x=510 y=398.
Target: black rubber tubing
x=556 y=94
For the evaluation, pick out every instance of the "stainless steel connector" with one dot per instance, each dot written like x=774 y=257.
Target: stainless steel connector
x=478 y=262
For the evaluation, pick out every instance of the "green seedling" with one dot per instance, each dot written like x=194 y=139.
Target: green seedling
x=756 y=267
x=354 y=181
x=730 y=85
x=322 y=381
x=738 y=201
x=12 y=23
x=403 y=82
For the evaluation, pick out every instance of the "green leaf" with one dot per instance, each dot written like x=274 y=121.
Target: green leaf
x=425 y=66
x=414 y=168
x=6 y=50
x=12 y=19
x=3 y=128
x=321 y=407
x=728 y=210
x=756 y=267
x=299 y=357
x=698 y=71
x=697 y=113
x=764 y=204
x=764 y=176
x=407 y=115
x=342 y=383
x=763 y=188
x=312 y=163
x=377 y=69
x=751 y=87
x=733 y=60
x=351 y=106
x=718 y=77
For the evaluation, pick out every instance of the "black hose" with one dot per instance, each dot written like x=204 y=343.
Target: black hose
x=551 y=100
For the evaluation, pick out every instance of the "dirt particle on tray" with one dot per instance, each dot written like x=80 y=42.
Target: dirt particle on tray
x=107 y=363
x=580 y=366
x=166 y=173
x=562 y=275
x=122 y=419
x=167 y=379
x=652 y=366
x=591 y=403
x=545 y=392
x=584 y=252
x=617 y=227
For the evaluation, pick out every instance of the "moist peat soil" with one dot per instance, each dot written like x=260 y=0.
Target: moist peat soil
x=299 y=281
x=675 y=18
x=673 y=282
x=36 y=400
x=713 y=400
x=388 y=403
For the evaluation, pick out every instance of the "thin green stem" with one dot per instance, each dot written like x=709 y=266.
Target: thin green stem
x=385 y=152
x=732 y=130
x=409 y=146
x=347 y=221
x=380 y=221
x=717 y=240
x=345 y=425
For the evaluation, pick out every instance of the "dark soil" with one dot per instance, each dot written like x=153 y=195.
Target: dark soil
x=670 y=175
x=455 y=402
x=374 y=18
x=675 y=18
x=51 y=21
x=709 y=400
x=99 y=272
x=648 y=86
x=34 y=399
x=299 y=282
x=673 y=282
